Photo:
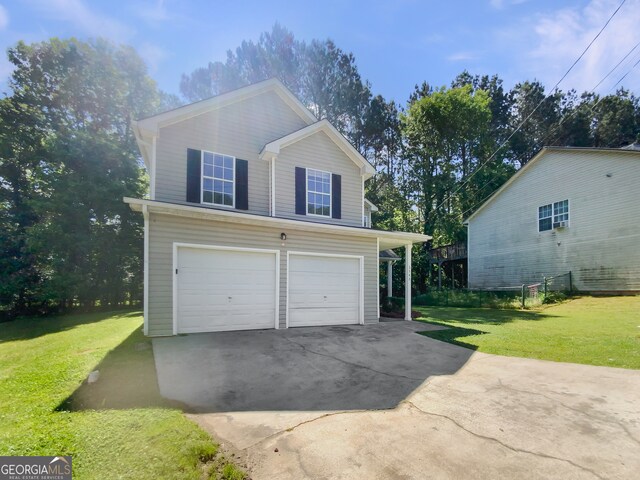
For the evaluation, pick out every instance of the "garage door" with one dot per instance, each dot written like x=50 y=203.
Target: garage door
x=323 y=290
x=219 y=290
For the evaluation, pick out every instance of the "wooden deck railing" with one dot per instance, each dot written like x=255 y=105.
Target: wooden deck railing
x=455 y=251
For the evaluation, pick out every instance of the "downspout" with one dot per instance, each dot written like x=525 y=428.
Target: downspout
x=145 y=215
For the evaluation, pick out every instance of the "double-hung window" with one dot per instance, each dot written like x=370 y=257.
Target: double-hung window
x=561 y=212
x=552 y=215
x=218 y=176
x=544 y=218
x=318 y=193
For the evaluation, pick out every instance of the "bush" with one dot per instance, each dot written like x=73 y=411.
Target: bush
x=554 y=297
x=392 y=304
x=467 y=298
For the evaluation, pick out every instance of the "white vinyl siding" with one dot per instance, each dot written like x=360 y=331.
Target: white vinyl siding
x=240 y=130
x=600 y=248
x=318 y=151
x=165 y=230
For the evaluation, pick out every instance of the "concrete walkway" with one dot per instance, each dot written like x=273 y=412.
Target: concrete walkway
x=412 y=407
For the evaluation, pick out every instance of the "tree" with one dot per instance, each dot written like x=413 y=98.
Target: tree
x=616 y=119
x=444 y=136
x=66 y=136
x=324 y=77
x=534 y=115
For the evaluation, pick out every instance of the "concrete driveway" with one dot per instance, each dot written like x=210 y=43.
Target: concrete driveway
x=383 y=402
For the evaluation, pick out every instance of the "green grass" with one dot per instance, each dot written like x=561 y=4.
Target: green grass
x=118 y=427
x=589 y=330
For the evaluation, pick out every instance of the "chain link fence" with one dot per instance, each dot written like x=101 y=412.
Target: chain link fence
x=550 y=289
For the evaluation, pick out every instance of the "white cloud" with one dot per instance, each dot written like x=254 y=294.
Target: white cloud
x=80 y=16
x=557 y=40
x=500 y=4
x=153 y=12
x=461 y=57
x=152 y=55
x=4 y=17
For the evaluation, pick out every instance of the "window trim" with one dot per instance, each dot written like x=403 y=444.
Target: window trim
x=568 y=213
x=543 y=218
x=214 y=178
x=330 y=194
x=553 y=214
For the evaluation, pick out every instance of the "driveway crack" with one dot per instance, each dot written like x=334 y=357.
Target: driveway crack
x=573 y=409
x=311 y=420
x=509 y=447
x=357 y=365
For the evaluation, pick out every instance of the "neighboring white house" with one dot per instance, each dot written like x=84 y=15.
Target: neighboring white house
x=567 y=209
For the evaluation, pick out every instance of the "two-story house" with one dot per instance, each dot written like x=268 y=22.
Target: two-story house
x=257 y=218
x=568 y=209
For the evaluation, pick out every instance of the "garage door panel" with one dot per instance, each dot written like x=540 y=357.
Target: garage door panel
x=323 y=290
x=224 y=290
x=322 y=316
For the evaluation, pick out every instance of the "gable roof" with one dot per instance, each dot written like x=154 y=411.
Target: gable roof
x=272 y=149
x=537 y=157
x=372 y=207
x=147 y=128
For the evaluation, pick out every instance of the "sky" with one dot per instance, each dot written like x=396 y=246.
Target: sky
x=396 y=43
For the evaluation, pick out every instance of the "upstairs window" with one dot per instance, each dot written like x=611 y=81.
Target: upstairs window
x=218 y=178
x=318 y=193
x=553 y=215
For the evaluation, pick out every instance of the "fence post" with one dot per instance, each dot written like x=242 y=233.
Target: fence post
x=523 y=289
x=545 y=287
x=570 y=282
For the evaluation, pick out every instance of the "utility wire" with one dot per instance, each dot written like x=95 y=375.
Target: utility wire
x=591 y=110
x=534 y=110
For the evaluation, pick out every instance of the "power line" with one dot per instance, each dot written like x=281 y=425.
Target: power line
x=591 y=110
x=593 y=107
x=534 y=110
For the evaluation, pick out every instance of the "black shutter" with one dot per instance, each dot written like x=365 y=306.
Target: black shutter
x=194 y=175
x=242 y=184
x=301 y=191
x=336 y=196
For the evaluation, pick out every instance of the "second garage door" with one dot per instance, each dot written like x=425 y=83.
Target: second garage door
x=324 y=290
x=222 y=289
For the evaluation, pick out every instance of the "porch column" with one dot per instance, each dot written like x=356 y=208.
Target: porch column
x=407 y=281
x=389 y=278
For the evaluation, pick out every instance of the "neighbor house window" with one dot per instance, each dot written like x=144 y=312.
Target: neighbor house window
x=552 y=214
x=544 y=218
x=561 y=211
x=217 y=179
x=318 y=193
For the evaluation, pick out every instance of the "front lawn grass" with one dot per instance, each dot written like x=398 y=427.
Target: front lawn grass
x=119 y=427
x=590 y=330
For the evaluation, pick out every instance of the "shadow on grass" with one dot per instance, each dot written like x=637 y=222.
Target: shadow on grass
x=453 y=335
x=127 y=380
x=28 y=328
x=445 y=315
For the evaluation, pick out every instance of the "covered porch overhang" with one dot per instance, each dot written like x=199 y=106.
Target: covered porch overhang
x=387 y=255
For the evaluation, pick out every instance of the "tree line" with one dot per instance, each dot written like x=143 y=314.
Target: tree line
x=68 y=155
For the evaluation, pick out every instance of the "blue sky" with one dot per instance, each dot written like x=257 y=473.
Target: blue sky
x=397 y=43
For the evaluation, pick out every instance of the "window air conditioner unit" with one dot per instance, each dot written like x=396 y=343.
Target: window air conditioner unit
x=561 y=224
